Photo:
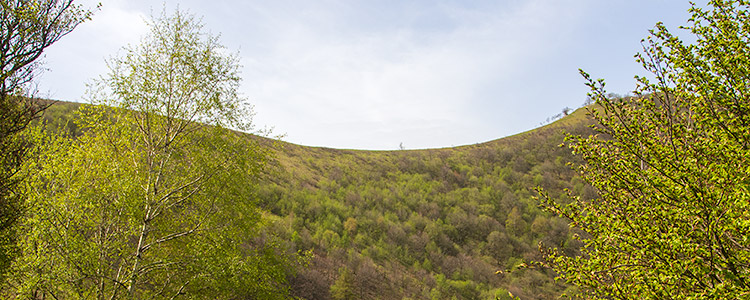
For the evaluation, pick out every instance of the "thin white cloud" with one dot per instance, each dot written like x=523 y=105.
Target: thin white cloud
x=404 y=75
x=371 y=74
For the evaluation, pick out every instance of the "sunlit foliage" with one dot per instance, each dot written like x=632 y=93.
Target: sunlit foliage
x=671 y=167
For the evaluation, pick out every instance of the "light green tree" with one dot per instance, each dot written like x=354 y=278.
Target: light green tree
x=344 y=286
x=155 y=198
x=672 y=169
x=27 y=28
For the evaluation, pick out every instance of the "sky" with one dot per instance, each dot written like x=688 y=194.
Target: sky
x=376 y=75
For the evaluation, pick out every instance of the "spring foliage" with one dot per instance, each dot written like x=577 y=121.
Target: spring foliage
x=425 y=224
x=672 y=170
x=155 y=198
x=28 y=27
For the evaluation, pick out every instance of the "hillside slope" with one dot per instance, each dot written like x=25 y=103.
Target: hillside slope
x=425 y=224
x=419 y=224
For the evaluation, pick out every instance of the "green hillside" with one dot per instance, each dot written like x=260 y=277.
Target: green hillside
x=151 y=194
x=419 y=224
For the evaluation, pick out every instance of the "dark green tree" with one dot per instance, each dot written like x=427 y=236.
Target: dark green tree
x=672 y=169
x=27 y=28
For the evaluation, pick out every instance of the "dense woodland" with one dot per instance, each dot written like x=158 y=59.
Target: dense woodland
x=459 y=222
x=426 y=224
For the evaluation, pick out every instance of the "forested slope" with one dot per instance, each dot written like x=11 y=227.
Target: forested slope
x=422 y=224
x=437 y=223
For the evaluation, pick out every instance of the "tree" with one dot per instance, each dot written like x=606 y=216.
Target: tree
x=155 y=198
x=344 y=287
x=27 y=28
x=672 y=169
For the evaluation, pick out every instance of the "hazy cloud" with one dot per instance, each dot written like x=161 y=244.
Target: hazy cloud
x=372 y=74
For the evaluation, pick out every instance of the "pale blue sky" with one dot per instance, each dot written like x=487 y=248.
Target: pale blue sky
x=374 y=74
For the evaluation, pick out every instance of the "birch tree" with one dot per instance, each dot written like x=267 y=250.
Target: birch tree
x=155 y=198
